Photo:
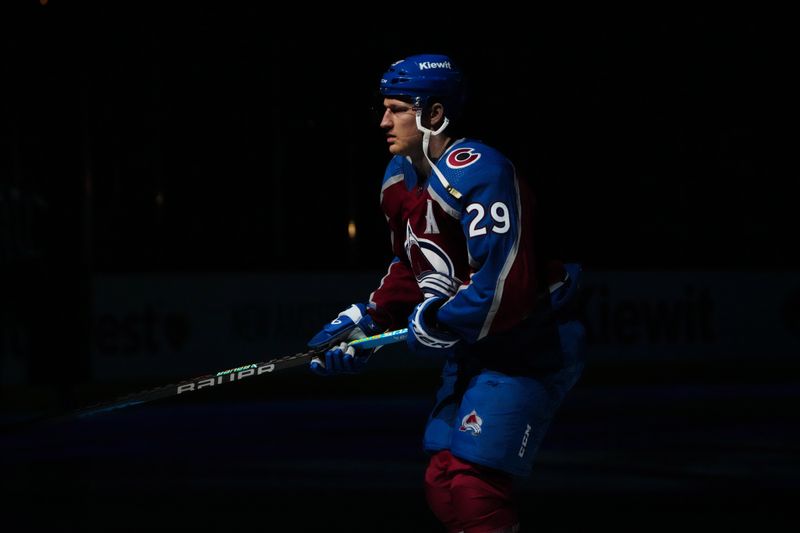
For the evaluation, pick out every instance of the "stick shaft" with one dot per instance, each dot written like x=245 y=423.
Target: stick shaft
x=229 y=376
x=389 y=337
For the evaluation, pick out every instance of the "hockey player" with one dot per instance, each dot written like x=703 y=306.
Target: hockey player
x=467 y=282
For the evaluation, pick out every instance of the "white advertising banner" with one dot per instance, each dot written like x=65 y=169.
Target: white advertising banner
x=165 y=325
x=692 y=315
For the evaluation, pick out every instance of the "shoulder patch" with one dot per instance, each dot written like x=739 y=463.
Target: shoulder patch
x=462 y=157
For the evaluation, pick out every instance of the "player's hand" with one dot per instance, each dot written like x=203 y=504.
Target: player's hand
x=425 y=336
x=351 y=324
x=343 y=359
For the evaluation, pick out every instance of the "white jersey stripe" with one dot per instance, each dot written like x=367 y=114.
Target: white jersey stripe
x=501 y=279
x=388 y=183
x=444 y=205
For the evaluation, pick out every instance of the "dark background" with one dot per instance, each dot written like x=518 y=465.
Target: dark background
x=137 y=139
x=231 y=139
x=196 y=139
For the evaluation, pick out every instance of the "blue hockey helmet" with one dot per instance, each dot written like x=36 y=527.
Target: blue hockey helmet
x=426 y=76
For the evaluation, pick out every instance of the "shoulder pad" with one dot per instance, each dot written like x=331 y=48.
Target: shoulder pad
x=399 y=169
x=466 y=166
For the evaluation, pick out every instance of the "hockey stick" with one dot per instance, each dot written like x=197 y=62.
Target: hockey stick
x=233 y=374
x=225 y=376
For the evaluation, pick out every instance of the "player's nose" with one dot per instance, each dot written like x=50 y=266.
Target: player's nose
x=386 y=121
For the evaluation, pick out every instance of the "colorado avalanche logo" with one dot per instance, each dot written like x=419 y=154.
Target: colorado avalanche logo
x=426 y=255
x=472 y=422
x=462 y=157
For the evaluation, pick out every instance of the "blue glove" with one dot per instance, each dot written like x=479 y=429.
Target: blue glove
x=343 y=359
x=351 y=324
x=423 y=336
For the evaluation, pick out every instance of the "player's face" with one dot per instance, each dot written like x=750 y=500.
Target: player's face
x=400 y=125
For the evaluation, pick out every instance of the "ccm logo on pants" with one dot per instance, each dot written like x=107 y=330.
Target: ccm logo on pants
x=524 y=440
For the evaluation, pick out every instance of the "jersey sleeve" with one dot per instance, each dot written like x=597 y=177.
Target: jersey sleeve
x=396 y=296
x=501 y=288
x=398 y=291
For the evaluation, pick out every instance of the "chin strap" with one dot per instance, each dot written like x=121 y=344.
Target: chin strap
x=426 y=139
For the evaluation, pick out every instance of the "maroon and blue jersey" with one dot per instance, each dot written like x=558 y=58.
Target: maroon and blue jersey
x=468 y=224
x=467 y=230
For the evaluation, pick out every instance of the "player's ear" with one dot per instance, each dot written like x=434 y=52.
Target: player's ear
x=436 y=115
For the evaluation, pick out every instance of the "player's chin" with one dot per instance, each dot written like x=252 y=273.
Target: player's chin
x=396 y=148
